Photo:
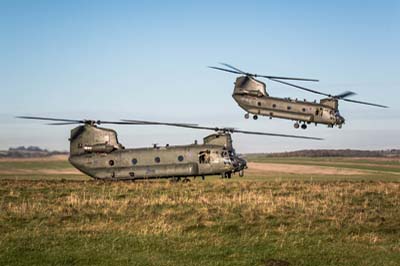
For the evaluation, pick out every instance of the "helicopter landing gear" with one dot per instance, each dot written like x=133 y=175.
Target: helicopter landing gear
x=241 y=173
x=226 y=175
x=175 y=179
x=296 y=125
x=303 y=126
x=246 y=116
x=255 y=117
x=186 y=180
x=339 y=126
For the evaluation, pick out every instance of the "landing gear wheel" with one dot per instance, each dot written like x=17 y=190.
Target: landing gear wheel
x=186 y=180
x=255 y=117
x=175 y=179
x=246 y=116
x=296 y=125
x=303 y=126
x=241 y=173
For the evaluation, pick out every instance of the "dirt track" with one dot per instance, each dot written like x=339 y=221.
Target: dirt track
x=38 y=159
x=254 y=168
x=263 y=168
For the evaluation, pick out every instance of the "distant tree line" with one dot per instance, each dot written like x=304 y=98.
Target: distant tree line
x=30 y=148
x=29 y=152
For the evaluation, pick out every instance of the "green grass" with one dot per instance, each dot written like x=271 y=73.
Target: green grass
x=301 y=219
x=340 y=162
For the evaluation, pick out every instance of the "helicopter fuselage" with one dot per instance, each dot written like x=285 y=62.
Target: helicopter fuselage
x=215 y=157
x=250 y=94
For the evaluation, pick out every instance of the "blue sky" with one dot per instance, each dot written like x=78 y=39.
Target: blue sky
x=123 y=59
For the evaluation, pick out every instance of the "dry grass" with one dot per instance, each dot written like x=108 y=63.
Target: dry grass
x=285 y=214
x=257 y=220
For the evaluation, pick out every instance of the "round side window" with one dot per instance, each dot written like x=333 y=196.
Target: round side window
x=134 y=161
x=180 y=158
x=157 y=159
x=111 y=162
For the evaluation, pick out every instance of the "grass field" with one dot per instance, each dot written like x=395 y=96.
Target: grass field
x=286 y=211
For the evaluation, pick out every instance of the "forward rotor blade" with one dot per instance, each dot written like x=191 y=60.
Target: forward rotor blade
x=264 y=76
x=366 y=103
x=234 y=68
x=62 y=121
x=345 y=94
x=62 y=124
x=50 y=119
x=99 y=122
x=273 y=134
x=226 y=70
x=301 y=88
x=144 y=122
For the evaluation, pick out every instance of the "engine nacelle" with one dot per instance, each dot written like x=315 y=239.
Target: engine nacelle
x=89 y=138
x=249 y=85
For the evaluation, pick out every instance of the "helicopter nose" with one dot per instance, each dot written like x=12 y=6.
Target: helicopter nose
x=340 y=119
x=242 y=164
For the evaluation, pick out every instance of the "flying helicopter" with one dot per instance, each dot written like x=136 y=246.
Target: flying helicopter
x=251 y=95
x=96 y=152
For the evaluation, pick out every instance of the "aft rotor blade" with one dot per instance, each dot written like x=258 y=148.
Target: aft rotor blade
x=226 y=70
x=194 y=126
x=302 y=88
x=274 y=134
x=223 y=129
x=345 y=94
x=50 y=119
x=366 y=103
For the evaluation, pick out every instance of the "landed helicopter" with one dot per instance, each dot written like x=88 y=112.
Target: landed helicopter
x=251 y=95
x=96 y=152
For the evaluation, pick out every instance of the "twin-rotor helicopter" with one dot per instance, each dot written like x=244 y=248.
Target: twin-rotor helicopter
x=97 y=152
x=251 y=95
